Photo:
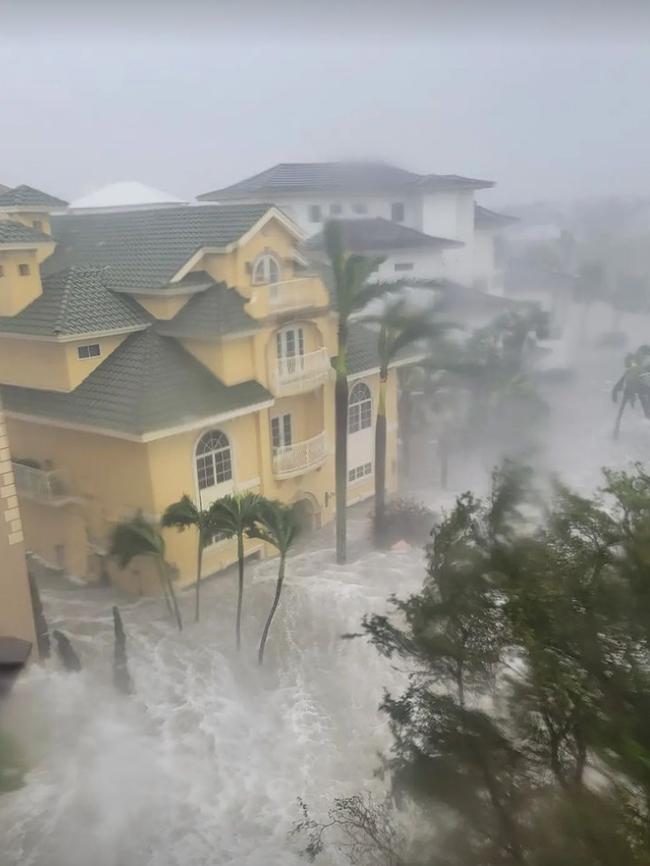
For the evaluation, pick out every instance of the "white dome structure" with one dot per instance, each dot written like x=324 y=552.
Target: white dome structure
x=122 y=196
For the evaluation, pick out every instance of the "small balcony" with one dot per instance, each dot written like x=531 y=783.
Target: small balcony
x=300 y=373
x=299 y=293
x=299 y=457
x=48 y=486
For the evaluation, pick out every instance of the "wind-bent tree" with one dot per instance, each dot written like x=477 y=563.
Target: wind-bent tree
x=634 y=384
x=276 y=525
x=351 y=272
x=67 y=653
x=232 y=516
x=183 y=514
x=139 y=537
x=399 y=327
x=121 y=676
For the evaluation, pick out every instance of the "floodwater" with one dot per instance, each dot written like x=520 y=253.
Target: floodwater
x=204 y=764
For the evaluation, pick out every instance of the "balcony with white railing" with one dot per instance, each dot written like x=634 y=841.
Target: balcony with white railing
x=49 y=486
x=299 y=457
x=299 y=293
x=297 y=373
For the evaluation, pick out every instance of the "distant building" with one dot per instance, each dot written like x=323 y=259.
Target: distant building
x=125 y=195
x=446 y=235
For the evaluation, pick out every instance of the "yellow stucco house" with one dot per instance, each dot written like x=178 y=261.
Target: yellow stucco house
x=149 y=353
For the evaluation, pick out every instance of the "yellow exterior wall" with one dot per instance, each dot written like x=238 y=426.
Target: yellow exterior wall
x=48 y=364
x=34 y=364
x=32 y=219
x=232 y=361
x=79 y=369
x=162 y=307
x=17 y=291
x=109 y=476
x=16 y=616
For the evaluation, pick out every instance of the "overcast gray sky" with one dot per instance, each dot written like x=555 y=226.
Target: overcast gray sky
x=193 y=96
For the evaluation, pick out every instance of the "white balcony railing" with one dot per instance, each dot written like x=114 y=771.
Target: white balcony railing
x=293 y=294
x=289 y=460
x=300 y=372
x=44 y=485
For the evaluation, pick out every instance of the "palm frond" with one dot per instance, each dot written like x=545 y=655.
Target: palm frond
x=136 y=537
x=234 y=513
x=181 y=514
x=276 y=524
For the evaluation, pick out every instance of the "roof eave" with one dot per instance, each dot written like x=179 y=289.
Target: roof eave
x=149 y=436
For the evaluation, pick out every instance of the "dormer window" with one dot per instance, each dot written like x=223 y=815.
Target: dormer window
x=266 y=270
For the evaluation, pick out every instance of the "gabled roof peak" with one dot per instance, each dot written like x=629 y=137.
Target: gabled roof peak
x=26 y=196
x=351 y=177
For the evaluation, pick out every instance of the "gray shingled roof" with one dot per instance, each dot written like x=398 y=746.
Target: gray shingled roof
x=13 y=232
x=489 y=219
x=289 y=178
x=215 y=313
x=76 y=301
x=360 y=235
x=24 y=195
x=145 y=249
x=362 y=350
x=148 y=384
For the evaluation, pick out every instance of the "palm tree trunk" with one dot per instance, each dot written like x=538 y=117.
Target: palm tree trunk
x=274 y=607
x=617 y=425
x=42 y=631
x=199 y=560
x=380 y=463
x=167 y=584
x=341 y=459
x=240 y=588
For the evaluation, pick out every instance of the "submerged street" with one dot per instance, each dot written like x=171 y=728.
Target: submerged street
x=204 y=764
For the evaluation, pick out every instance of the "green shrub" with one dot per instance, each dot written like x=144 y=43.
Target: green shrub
x=406 y=520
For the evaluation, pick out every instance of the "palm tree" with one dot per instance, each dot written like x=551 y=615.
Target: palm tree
x=399 y=326
x=276 y=525
x=351 y=273
x=183 y=514
x=139 y=537
x=633 y=384
x=233 y=515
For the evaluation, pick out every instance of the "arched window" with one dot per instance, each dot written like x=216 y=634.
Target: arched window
x=359 y=408
x=266 y=270
x=213 y=459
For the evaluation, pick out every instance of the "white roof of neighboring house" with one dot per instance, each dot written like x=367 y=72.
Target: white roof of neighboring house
x=125 y=195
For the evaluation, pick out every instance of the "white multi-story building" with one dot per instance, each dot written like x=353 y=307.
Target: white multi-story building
x=425 y=225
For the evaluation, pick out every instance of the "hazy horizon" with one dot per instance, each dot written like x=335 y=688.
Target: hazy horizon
x=188 y=100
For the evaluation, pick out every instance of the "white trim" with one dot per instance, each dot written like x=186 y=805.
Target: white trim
x=203 y=423
x=72 y=338
x=31 y=208
x=372 y=371
x=225 y=487
x=26 y=245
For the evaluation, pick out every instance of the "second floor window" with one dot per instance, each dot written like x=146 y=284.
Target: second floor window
x=213 y=459
x=397 y=211
x=359 y=408
x=360 y=208
x=281 y=430
x=38 y=225
x=336 y=209
x=91 y=351
x=266 y=270
x=315 y=214
x=23 y=270
x=403 y=266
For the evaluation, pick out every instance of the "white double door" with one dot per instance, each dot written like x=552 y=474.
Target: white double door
x=290 y=346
